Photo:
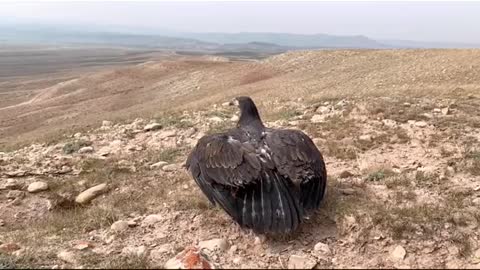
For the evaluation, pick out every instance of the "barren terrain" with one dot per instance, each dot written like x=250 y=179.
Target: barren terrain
x=399 y=130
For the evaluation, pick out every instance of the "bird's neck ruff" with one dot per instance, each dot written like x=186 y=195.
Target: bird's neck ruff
x=249 y=115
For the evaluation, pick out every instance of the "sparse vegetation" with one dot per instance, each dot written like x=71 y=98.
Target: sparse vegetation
x=74 y=146
x=380 y=174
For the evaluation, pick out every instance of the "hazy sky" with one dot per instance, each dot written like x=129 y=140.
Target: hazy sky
x=425 y=21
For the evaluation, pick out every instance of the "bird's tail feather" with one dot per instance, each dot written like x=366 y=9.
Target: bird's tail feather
x=267 y=206
x=311 y=193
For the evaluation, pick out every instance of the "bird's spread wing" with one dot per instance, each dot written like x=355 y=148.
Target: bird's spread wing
x=296 y=156
x=230 y=173
x=222 y=159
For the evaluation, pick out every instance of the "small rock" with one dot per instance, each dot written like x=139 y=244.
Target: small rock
x=215 y=119
x=237 y=260
x=317 y=118
x=259 y=240
x=157 y=254
x=190 y=258
x=151 y=220
x=91 y=193
x=119 y=226
x=477 y=254
x=106 y=123
x=301 y=262
x=389 y=122
x=446 y=111
x=12 y=184
x=190 y=132
x=2 y=223
x=407 y=104
x=323 y=109
x=476 y=201
x=166 y=134
x=85 y=150
x=226 y=104
x=235 y=118
x=233 y=249
x=214 y=244
x=158 y=165
x=83 y=245
x=137 y=251
x=37 y=187
x=421 y=124
x=14 y=194
x=9 y=247
x=152 y=127
x=68 y=256
x=367 y=138
x=398 y=253
x=170 y=168
x=345 y=174
x=322 y=248
x=347 y=191
x=132 y=223
x=437 y=110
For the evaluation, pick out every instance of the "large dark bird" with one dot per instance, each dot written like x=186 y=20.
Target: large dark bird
x=265 y=179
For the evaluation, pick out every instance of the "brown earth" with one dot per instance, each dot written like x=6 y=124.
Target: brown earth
x=399 y=130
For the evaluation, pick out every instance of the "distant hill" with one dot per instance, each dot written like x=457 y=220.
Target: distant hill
x=289 y=40
x=12 y=33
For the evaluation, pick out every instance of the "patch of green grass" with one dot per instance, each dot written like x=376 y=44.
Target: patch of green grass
x=174 y=120
x=380 y=175
x=168 y=155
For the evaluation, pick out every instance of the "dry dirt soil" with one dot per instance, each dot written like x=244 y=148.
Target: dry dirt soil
x=399 y=130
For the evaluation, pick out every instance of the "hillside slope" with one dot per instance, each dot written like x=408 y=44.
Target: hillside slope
x=179 y=83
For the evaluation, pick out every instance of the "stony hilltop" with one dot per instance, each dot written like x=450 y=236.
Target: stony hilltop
x=400 y=141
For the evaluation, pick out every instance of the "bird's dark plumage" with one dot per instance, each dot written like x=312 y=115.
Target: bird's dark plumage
x=265 y=179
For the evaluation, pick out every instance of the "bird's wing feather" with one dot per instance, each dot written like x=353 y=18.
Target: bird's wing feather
x=223 y=159
x=296 y=156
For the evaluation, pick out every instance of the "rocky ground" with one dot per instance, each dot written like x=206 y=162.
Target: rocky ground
x=403 y=191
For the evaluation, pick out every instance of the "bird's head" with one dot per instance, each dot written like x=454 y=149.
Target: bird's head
x=248 y=110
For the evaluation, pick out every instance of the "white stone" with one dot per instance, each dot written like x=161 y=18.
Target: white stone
x=389 y=122
x=214 y=244
x=398 y=253
x=68 y=256
x=119 y=226
x=367 y=138
x=106 y=123
x=235 y=118
x=446 y=111
x=85 y=150
x=317 y=118
x=158 y=165
x=323 y=109
x=37 y=187
x=91 y=193
x=137 y=251
x=151 y=220
x=421 y=124
x=322 y=248
x=215 y=119
x=152 y=126
x=301 y=262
